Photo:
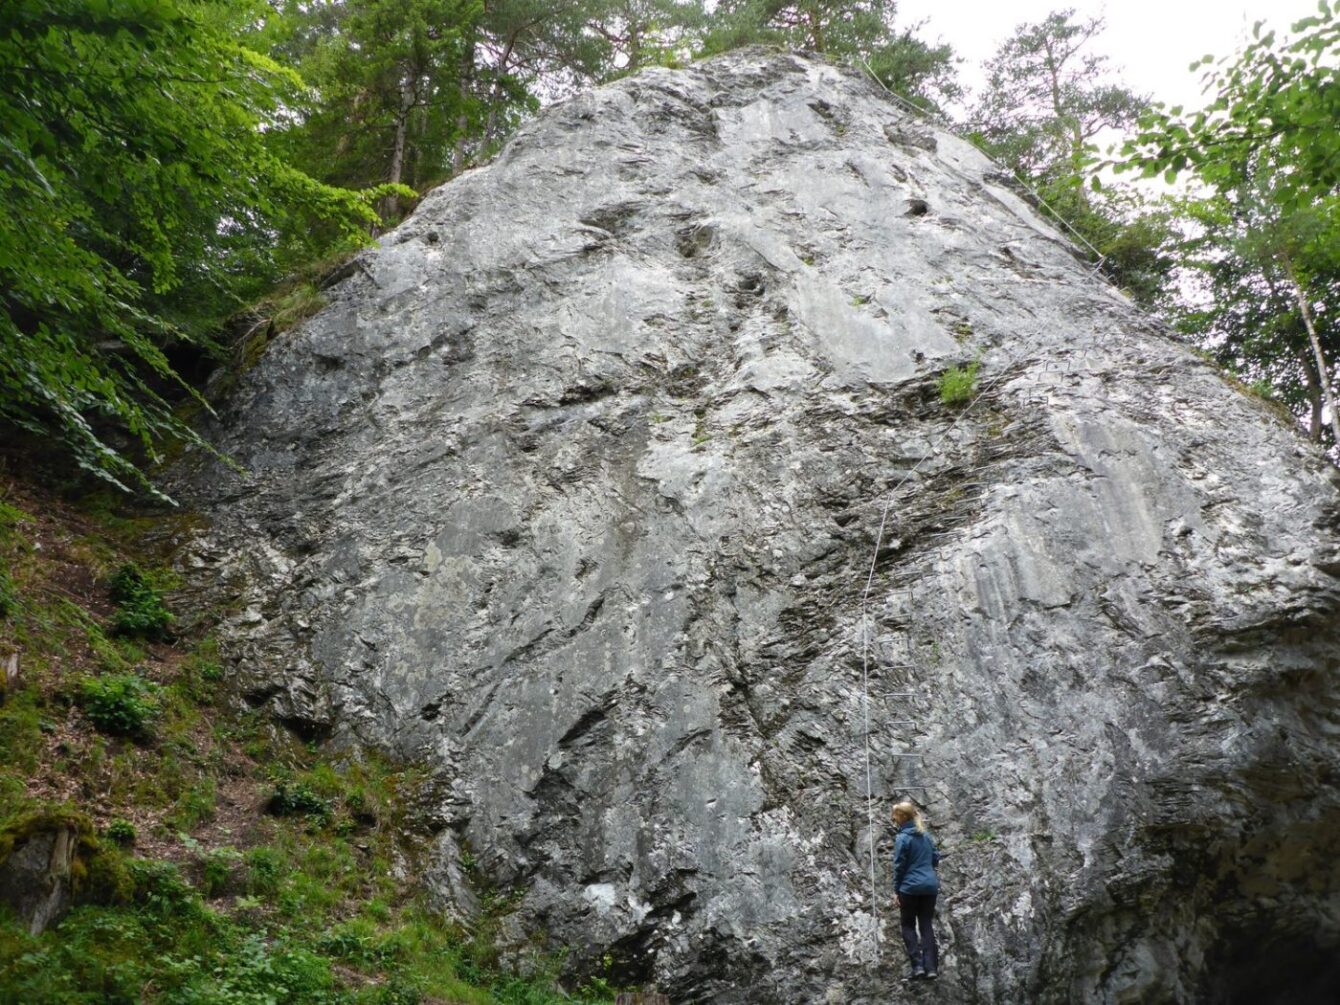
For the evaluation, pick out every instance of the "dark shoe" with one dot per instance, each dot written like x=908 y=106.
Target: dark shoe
x=930 y=975
x=917 y=975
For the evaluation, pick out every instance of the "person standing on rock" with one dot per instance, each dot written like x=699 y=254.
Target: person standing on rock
x=915 y=887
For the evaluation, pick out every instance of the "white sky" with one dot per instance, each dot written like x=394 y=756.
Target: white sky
x=1149 y=43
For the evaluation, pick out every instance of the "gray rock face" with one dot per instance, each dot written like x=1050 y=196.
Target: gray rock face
x=572 y=493
x=35 y=877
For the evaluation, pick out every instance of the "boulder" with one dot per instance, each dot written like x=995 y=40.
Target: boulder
x=617 y=488
x=39 y=856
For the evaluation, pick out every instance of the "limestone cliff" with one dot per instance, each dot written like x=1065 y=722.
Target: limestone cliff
x=572 y=490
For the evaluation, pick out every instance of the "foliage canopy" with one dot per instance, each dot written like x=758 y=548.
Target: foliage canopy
x=141 y=204
x=1265 y=236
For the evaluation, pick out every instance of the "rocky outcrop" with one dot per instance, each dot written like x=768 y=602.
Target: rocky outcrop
x=572 y=493
x=39 y=860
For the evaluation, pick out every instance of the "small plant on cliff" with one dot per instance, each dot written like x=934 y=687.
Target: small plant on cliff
x=140 y=611
x=291 y=799
x=957 y=384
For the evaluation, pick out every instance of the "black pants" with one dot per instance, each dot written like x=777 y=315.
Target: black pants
x=917 y=910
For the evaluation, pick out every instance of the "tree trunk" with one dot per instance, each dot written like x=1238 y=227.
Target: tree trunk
x=816 y=31
x=458 y=148
x=1314 y=396
x=408 y=88
x=496 y=93
x=1323 y=371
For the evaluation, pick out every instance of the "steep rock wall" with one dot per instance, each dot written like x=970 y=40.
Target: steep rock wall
x=571 y=493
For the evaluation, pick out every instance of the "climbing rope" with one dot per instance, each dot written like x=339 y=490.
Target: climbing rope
x=1100 y=260
x=890 y=494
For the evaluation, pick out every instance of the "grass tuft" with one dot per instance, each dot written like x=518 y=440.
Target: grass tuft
x=958 y=384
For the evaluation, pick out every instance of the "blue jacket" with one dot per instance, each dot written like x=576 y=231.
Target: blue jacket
x=914 y=862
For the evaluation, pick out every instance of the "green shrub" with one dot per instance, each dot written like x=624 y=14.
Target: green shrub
x=259 y=972
x=958 y=384
x=195 y=805
x=140 y=611
x=220 y=872
x=201 y=675
x=160 y=884
x=122 y=704
x=9 y=519
x=121 y=832
x=21 y=731
x=396 y=991
x=359 y=941
x=291 y=799
x=107 y=877
x=265 y=871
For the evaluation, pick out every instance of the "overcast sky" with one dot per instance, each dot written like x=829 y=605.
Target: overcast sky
x=1150 y=42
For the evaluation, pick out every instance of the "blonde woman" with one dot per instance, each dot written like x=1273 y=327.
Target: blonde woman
x=915 y=887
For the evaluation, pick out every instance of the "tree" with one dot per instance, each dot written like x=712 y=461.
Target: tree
x=1247 y=313
x=1267 y=149
x=639 y=33
x=139 y=205
x=413 y=90
x=861 y=30
x=385 y=103
x=1048 y=98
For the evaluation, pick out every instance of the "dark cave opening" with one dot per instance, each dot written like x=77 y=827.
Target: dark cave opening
x=1266 y=968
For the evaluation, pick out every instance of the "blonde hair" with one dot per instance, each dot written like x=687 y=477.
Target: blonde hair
x=907 y=810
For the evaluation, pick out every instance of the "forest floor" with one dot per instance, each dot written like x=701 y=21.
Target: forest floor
x=223 y=860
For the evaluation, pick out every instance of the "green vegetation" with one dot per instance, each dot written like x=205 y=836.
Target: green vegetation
x=120 y=704
x=291 y=799
x=183 y=885
x=142 y=204
x=847 y=31
x=120 y=832
x=958 y=384
x=140 y=610
x=1049 y=95
x=9 y=520
x=1261 y=250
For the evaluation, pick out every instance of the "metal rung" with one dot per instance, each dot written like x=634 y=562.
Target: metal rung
x=901 y=694
x=906 y=755
x=899 y=722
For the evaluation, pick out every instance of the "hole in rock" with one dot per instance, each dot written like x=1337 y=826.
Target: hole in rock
x=1262 y=967
x=751 y=284
x=615 y=219
x=692 y=242
x=305 y=729
x=257 y=696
